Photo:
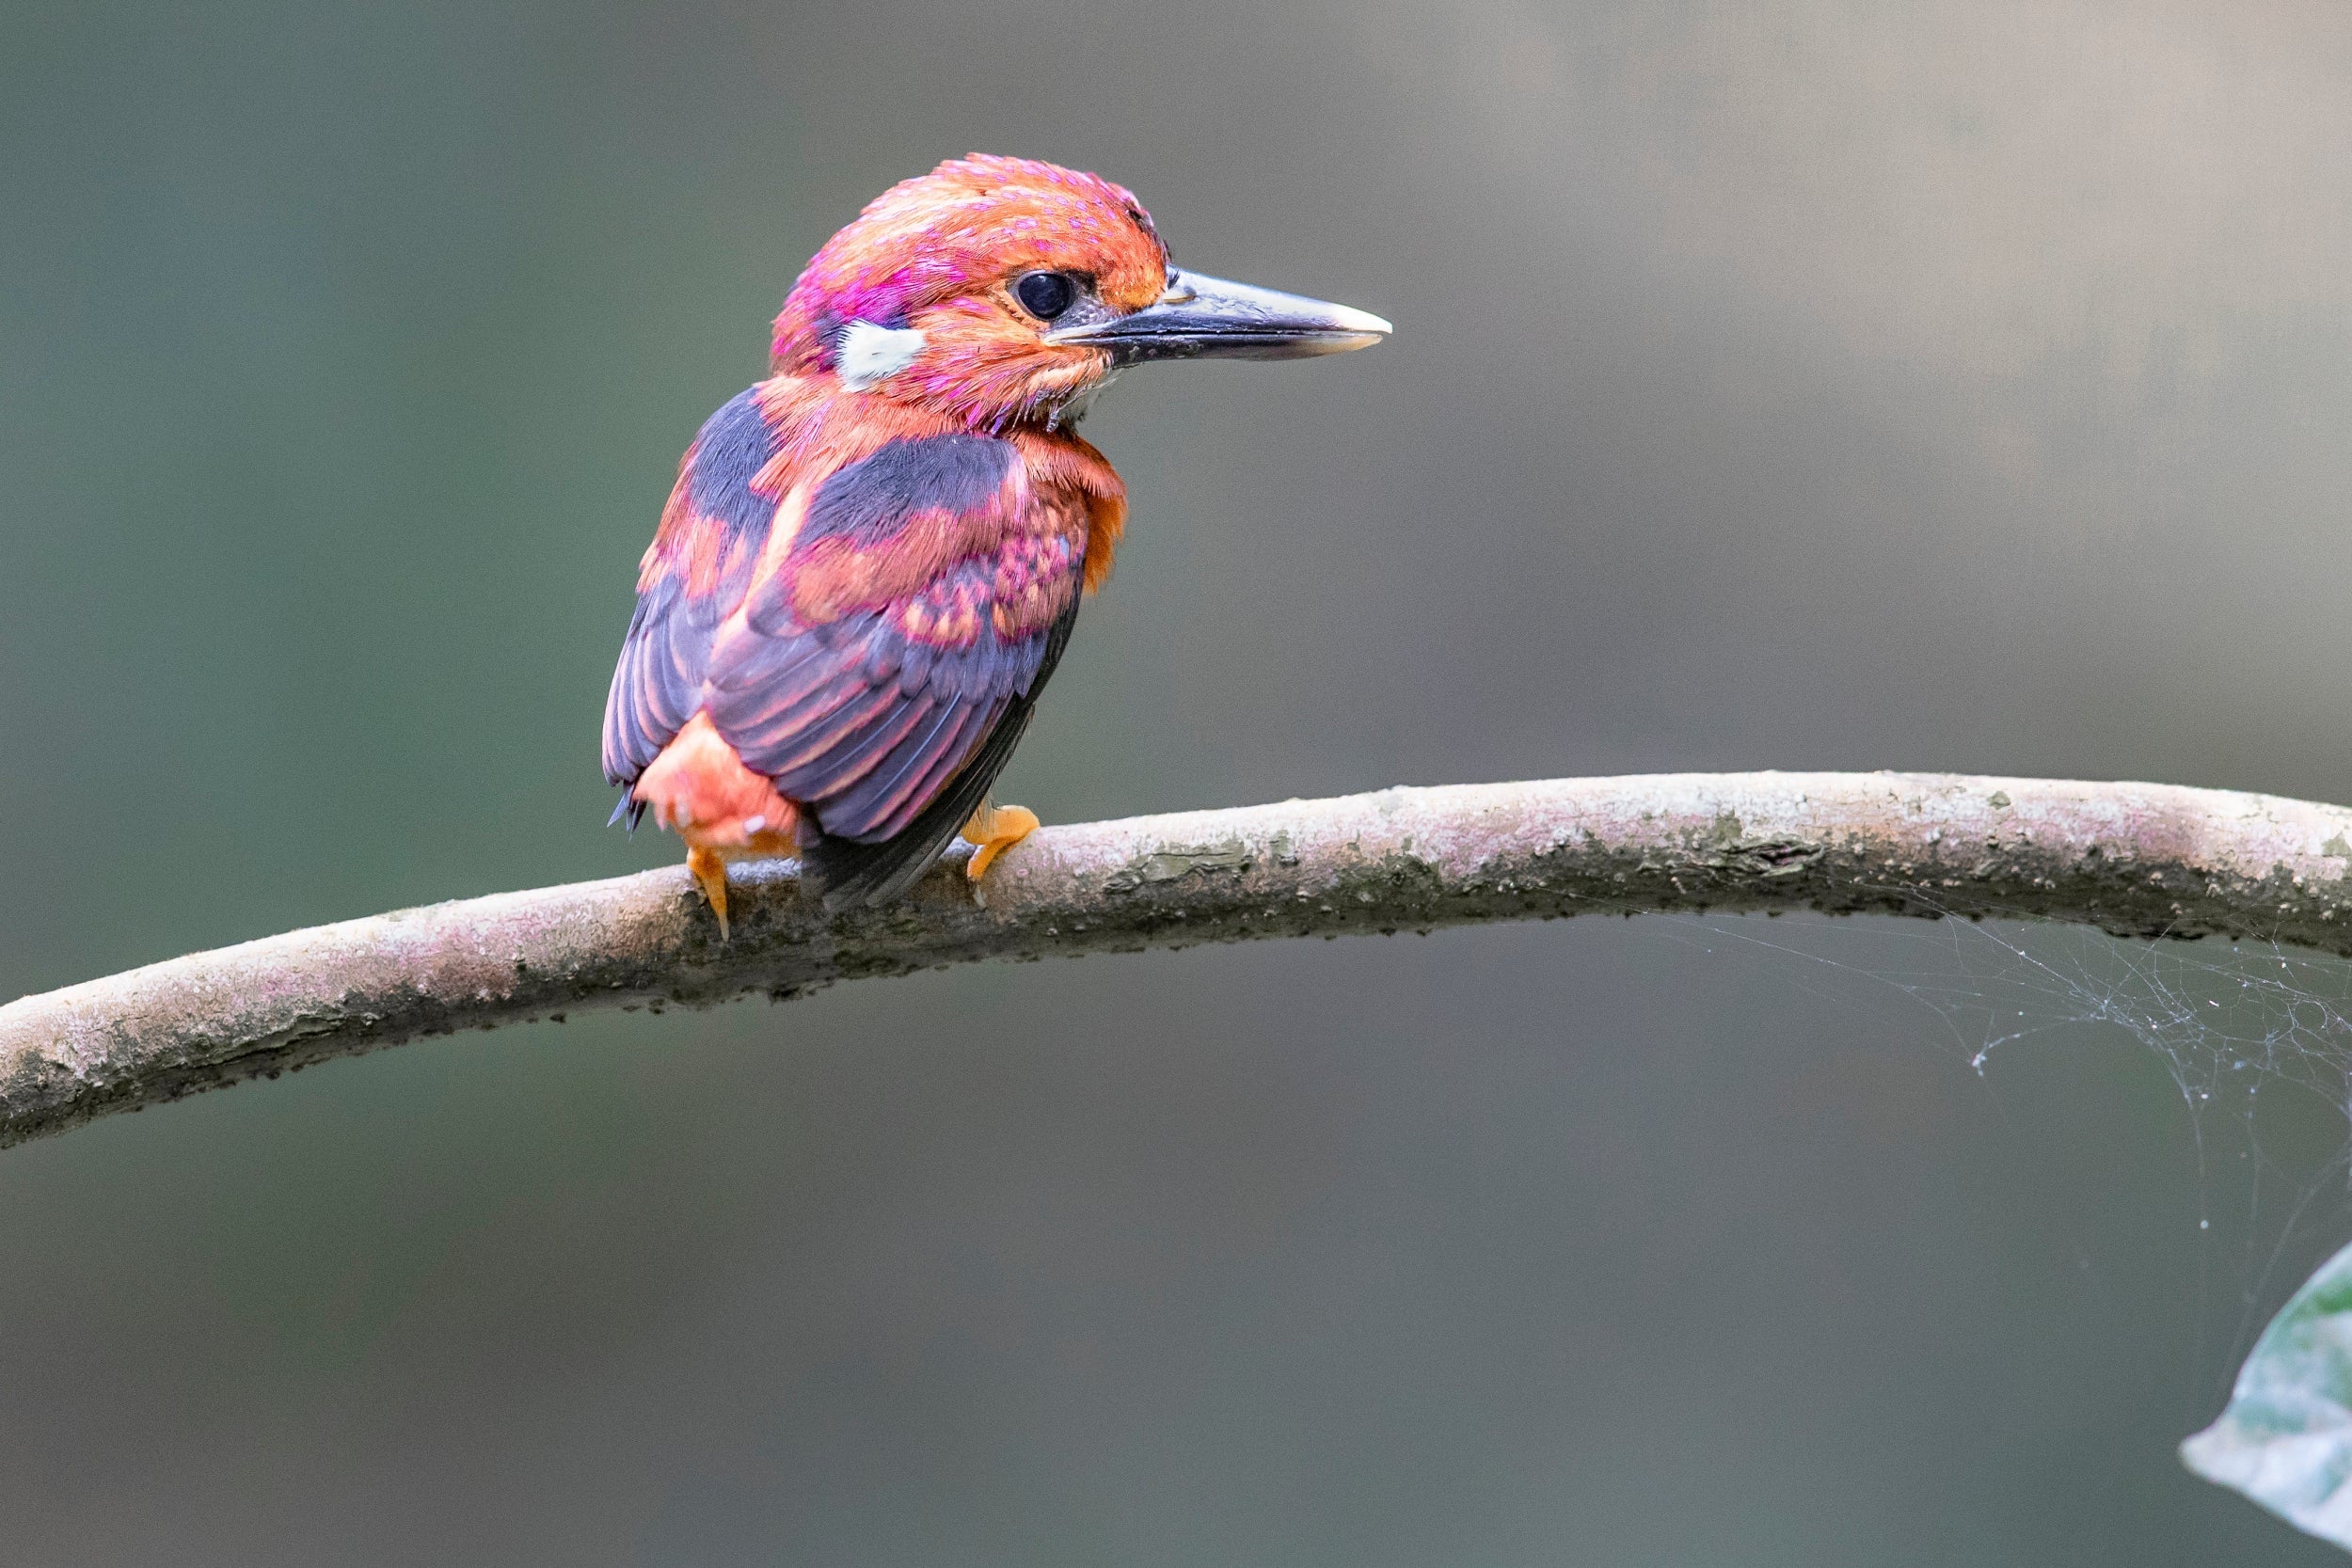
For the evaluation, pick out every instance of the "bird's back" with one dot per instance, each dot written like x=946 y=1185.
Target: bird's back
x=862 y=600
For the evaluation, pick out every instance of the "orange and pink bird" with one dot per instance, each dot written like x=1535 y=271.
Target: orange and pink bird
x=871 y=560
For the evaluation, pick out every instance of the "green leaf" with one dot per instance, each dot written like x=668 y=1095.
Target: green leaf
x=2286 y=1439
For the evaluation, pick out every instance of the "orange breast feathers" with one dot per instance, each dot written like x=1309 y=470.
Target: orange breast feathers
x=846 y=600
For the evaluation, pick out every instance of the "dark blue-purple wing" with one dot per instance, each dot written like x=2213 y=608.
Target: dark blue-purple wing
x=880 y=675
x=696 y=573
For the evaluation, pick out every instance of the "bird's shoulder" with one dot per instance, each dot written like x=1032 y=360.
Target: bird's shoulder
x=824 y=462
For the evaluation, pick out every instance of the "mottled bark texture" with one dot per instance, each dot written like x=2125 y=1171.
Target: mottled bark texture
x=2133 y=859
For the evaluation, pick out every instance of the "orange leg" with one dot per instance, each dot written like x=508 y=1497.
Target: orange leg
x=995 y=829
x=708 y=868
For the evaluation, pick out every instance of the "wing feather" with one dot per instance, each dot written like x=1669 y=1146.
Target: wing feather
x=888 y=650
x=882 y=670
x=697 y=571
x=850 y=871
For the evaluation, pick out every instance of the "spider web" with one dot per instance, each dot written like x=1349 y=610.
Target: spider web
x=2238 y=1026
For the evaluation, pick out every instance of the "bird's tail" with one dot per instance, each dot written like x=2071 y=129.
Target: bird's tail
x=849 y=874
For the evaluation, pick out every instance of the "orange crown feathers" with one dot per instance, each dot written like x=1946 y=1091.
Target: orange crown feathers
x=962 y=231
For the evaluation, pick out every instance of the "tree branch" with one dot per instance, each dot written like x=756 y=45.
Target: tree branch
x=2132 y=859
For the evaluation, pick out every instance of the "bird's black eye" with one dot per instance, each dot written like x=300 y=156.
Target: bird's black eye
x=1047 y=295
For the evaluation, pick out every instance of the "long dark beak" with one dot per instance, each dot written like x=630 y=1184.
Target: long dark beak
x=1208 y=318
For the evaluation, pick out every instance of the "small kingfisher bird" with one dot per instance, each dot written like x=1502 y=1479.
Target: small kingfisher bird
x=871 y=561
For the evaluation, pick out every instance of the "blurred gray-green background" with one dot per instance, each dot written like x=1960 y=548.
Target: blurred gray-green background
x=1960 y=385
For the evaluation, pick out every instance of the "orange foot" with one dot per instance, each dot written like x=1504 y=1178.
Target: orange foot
x=995 y=829
x=710 y=869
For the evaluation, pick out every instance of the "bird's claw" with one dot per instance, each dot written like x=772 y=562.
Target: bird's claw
x=709 y=869
x=994 y=830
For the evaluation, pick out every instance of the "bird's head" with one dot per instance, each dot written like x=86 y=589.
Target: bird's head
x=1002 y=292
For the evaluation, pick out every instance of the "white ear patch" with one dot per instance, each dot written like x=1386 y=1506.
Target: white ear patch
x=867 y=354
